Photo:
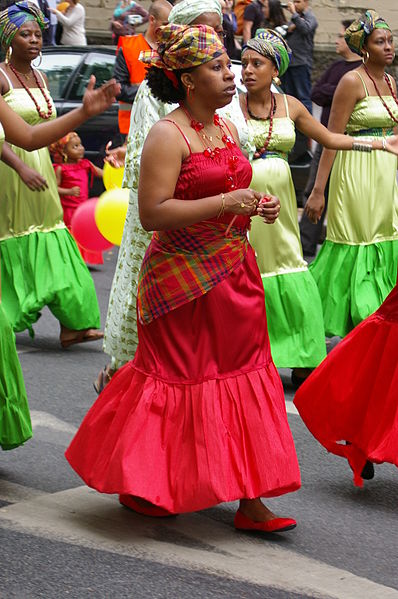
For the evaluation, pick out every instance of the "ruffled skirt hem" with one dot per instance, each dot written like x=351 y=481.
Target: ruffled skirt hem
x=353 y=281
x=295 y=320
x=186 y=447
x=352 y=396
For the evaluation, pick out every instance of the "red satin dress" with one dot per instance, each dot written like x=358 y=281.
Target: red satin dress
x=198 y=417
x=352 y=396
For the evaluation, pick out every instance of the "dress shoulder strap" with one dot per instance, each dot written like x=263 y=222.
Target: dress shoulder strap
x=182 y=133
x=7 y=78
x=41 y=77
x=286 y=105
x=363 y=82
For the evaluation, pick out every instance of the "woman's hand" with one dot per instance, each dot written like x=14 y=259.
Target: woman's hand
x=32 y=179
x=392 y=144
x=269 y=208
x=116 y=156
x=97 y=100
x=314 y=206
x=242 y=201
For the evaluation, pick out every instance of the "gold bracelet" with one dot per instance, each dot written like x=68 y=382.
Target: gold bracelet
x=222 y=209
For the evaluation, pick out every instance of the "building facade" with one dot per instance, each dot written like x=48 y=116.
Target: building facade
x=328 y=12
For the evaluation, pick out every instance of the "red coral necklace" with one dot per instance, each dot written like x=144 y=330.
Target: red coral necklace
x=214 y=152
x=45 y=116
x=387 y=80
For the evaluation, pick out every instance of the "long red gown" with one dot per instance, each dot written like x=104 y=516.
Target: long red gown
x=353 y=394
x=198 y=417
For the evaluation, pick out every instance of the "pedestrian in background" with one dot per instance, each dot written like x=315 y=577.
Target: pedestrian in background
x=322 y=94
x=73 y=24
x=253 y=19
x=275 y=17
x=300 y=37
x=128 y=70
x=126 y=16
x=230 y=26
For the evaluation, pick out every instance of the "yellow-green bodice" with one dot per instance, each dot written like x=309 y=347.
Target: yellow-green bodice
x=23 y=211
x=363 y=194
x=277 y=246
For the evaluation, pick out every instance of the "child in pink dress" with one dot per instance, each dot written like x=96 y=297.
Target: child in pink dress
x=72 y=171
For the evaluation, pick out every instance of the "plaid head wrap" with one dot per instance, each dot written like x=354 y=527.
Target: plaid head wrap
x=356 y=34
x=182 y=47
x=270 y=44
x=57 y=149
x=13 y=17
x=187 y=11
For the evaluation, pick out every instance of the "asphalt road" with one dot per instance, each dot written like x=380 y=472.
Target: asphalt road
x=59 y=539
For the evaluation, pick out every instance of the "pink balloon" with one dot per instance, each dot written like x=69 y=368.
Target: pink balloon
x=85 y=230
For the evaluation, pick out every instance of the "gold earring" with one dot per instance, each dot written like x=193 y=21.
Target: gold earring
x=365 y=57
x=41 y=58
x=276 y=80
x=8 y=55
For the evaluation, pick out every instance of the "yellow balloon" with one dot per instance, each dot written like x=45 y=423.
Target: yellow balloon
x=110 y=214
x=112 y=177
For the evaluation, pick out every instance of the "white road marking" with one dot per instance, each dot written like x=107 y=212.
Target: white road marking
x=14 y=492
x=291 y=408
x=28 y=350
x=46 y=420
x=83 y=517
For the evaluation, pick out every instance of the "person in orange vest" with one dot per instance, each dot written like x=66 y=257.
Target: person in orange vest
x=128 y=70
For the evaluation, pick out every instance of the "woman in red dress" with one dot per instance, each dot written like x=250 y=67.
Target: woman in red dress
x=349 y=403
x=198 y=417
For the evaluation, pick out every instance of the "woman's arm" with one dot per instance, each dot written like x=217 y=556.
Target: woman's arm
x=76 y=16
x=162 y=156
x=29 y=176
x=30 y=137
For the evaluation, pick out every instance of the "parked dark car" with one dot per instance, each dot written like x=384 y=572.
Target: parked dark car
x=69 y=68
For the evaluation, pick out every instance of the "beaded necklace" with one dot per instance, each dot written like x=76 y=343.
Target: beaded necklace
x=214 y=152
x=270 y=117
x=387 y=80
x=40 y=112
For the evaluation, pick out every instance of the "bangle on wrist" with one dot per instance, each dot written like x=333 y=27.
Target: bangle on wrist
x=361 y=147
x=384 y=143
x=222 y=209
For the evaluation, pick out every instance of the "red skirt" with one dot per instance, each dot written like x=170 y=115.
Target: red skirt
x=352 y=396
x=198 y=417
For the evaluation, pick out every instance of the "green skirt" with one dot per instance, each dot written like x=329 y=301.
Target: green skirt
x=294 y=316
x=15 y=425
x=46 y=269
x=353 y=281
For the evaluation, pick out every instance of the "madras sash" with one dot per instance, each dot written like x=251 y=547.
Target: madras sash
x=182 y=265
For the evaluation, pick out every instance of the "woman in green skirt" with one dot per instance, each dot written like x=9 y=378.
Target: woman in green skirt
x=294 y=308
x=357 y=266
x=15 y=425
x=40 y=262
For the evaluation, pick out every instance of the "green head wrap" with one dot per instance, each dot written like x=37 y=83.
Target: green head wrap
x=187 y=11
x=270 y=44
x=13 y=17
x=356 y=34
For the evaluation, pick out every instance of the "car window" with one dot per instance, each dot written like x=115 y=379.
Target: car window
x=100 y=65
x=59 y=68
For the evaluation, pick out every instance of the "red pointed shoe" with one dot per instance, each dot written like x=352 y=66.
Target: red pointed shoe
x=241 y=522
x=145 y=510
